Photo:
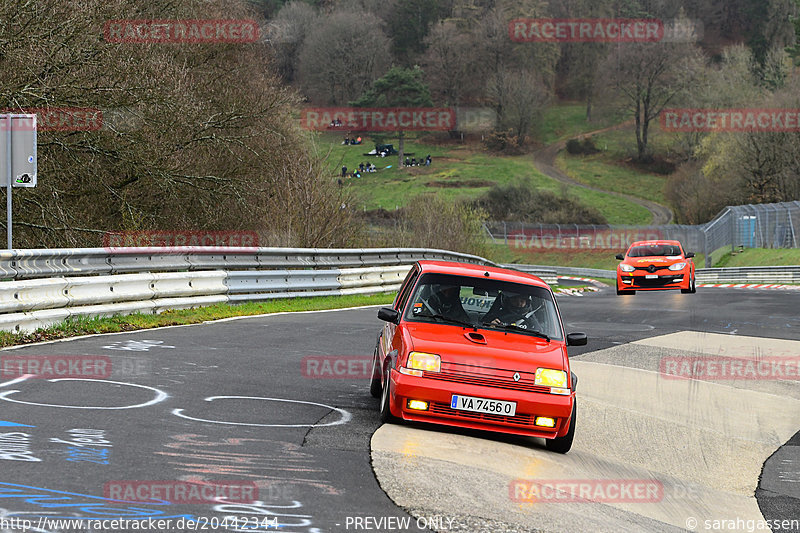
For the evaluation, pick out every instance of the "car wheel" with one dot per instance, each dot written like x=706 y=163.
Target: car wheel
x=563 y=444
x=375 y=380
x=694 y=285
x=621 y=293
x=386 y=411
x=689 y=290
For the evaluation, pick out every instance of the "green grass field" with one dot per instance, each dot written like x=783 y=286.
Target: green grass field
x=567 y=120
x=760 y=257
x=599 y=170
x=457 y=172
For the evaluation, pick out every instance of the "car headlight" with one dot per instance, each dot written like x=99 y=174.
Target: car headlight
x=428 y=362
x=549 y=377
x=626 y=268
x=677 y=266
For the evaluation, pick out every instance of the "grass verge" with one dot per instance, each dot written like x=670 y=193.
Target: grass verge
x=568 y=120
x=761 y=257
x=138 y=321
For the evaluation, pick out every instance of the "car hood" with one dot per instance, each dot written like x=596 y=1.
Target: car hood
x=657 y=260
x=501 y=350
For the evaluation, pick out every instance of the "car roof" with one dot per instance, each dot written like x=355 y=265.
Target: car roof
x=473 y=270
x=655 y=243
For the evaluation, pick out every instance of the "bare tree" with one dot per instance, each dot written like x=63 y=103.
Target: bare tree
x=206 y=124
x=519 y=98
x=346 y=53
x=763 y=165
x=449 y=64
x=642 y=79
x=287 y=33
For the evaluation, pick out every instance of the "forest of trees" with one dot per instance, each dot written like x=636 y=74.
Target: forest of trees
x=217 y=144
x=716 y=54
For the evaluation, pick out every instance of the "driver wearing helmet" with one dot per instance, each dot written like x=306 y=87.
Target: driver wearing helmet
x=447 y=302
x=515 y=308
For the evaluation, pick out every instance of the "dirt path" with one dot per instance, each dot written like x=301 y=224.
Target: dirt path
x=545 y=161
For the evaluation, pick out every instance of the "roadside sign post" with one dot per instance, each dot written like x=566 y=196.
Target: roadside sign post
x=19 y=164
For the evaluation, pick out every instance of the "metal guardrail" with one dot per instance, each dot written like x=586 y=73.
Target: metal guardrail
x=43 y=263
x=765 y=274
x=770 y=274
x=49 y=286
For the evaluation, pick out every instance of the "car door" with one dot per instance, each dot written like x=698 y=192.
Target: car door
x=386 y=343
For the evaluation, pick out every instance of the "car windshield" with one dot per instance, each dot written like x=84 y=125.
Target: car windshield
x=484 y=303
x=651 y=250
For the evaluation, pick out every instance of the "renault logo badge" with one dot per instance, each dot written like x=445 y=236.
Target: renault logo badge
x=516 y=376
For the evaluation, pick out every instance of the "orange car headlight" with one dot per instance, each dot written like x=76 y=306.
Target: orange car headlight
x=550 y=377
x=677 y=266
x=427 y=362
x=626 y=268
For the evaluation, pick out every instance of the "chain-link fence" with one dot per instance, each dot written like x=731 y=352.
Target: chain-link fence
x=747 y=226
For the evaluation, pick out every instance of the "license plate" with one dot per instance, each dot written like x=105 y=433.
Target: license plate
x=651 y=276
x=483 y=405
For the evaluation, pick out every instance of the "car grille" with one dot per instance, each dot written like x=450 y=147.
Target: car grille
x=487 y=377
x=647 y=268
x=444 y=409
x=641 y=281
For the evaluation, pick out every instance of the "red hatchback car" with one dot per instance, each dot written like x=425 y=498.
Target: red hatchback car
x=656 y=266
x=477 y=347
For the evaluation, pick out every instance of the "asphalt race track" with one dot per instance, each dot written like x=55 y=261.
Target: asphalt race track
x=251 y=402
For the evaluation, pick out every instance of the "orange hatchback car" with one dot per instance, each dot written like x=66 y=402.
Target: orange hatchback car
x=477 y=347
x=656 y=266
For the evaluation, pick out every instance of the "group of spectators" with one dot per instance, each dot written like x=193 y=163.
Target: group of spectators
x=362 y=167
x=414 y=163
x=353 y=141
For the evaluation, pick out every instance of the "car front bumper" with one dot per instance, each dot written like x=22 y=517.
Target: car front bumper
x=639 y=282
x=438 y=394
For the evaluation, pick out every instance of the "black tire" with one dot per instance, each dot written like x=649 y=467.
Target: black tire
x=623 y=293
x=563 y=444
x=375 y=379
x=692 y=287
x=386 y=413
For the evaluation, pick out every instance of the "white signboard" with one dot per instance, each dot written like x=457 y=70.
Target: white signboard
x=20 y=148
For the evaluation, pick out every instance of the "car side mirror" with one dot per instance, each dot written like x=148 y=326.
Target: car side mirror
x=387 y=314
x=577 y=339
x=621 y=257
x=689 y=255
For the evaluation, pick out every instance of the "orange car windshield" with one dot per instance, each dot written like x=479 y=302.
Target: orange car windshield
x=666 y=250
